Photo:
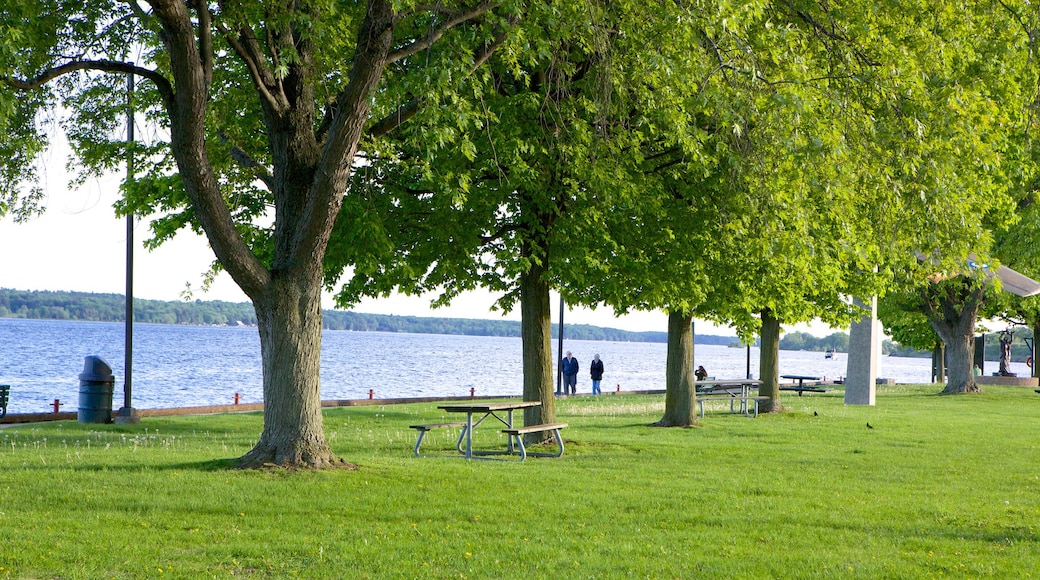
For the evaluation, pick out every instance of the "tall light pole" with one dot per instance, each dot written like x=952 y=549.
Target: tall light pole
x=559 y=352
x=127 y=414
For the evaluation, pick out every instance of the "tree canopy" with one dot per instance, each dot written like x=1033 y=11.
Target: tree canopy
x=255 y=113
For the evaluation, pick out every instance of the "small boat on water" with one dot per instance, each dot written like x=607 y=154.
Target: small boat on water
x=829 y=353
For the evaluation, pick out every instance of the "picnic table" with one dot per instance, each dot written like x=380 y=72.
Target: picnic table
x=735 y=390
x=486 y=410
x=802 y=387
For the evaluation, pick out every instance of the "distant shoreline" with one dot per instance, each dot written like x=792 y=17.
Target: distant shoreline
x=93 y=307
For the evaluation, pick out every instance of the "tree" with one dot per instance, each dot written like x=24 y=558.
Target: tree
x=1017 y=245
x=974 y=183
x=762 y=232
x=261 y=108
x=519 y=205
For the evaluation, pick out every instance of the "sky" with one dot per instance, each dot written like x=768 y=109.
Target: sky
x=78 y=244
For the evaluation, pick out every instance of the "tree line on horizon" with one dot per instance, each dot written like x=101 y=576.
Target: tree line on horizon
x=102 y=307
x=109 y=307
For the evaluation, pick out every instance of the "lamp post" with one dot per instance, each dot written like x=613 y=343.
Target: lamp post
x=559 y=352
x=127 y=414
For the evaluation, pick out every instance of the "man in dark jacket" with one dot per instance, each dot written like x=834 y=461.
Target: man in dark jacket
x=570 y=373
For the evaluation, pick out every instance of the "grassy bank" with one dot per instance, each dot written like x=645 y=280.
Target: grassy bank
x=940 y=487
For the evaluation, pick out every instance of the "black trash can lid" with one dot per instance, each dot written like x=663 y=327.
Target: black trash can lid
x=95 y=369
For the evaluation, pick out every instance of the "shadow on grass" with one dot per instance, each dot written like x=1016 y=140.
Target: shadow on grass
x=211 y=465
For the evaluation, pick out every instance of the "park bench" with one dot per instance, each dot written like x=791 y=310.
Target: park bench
x=801 y=387
x=5 y=393
x=423 y=429
x=805 y=389
x=748 y=403
x=517 y=433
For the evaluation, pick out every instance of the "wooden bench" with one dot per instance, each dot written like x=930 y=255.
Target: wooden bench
x=429 y=427
x=750 y=403
x=517 y=433
x=5 y=393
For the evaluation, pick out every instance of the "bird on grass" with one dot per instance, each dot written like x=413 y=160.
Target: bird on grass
x=815 y=414
x=869 y=426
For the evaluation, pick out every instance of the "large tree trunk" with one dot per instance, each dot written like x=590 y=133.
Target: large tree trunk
x=536 y=335
x=960 y=360
x=680 y=390
x=952 y=310
x=289 y=318
x=769 y=363
x=310 y=174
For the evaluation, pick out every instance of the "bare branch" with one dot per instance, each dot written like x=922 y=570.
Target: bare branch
x=438 y=32
x=395 y=119
x=487 y=240
x=161 y=83
x=246 y=161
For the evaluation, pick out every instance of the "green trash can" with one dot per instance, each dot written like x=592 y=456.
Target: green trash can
x=96 y=383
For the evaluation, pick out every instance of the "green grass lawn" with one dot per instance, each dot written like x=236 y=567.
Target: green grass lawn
x=942 y=486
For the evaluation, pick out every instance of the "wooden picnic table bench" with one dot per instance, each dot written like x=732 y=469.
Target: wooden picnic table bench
x=802 y=387
x=733 y=390
x=517 y=433
x=749 y=403
x=501 y=411
x=5 y=393
x=423 y=429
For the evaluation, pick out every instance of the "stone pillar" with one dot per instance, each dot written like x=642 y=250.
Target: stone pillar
x=864 y=342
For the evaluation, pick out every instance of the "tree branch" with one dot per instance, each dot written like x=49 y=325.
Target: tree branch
x=435 y=34
x=486 y=240
x=823 y=31
x=246 y=161
x=138 y=11
x=161 y=83
x=187 y=115
x=205 y=39
x=395 y=119
x=409 y=109
x=353 y=103
x=254 y=60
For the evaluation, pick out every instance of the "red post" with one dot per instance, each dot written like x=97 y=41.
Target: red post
x=472 y=392
x=371 y=393
x=237 y=398
x=56 y=404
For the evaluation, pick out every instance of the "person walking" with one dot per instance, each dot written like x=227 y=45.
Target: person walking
x=570 y=373
x=596 y=369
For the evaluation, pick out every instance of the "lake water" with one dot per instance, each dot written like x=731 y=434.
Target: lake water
x=178 y=366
